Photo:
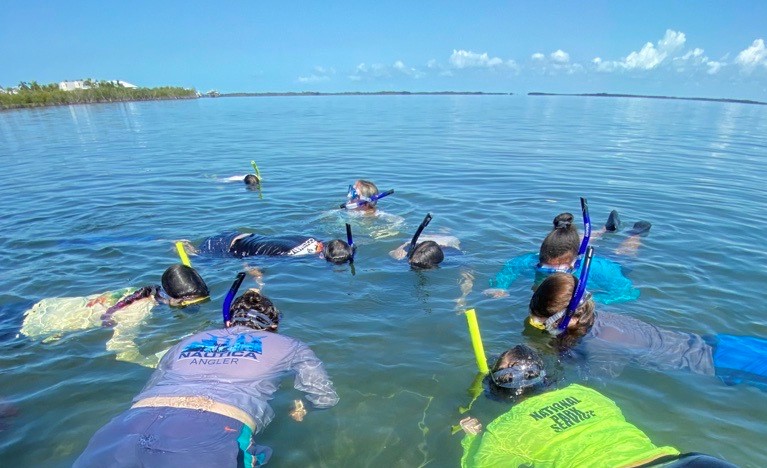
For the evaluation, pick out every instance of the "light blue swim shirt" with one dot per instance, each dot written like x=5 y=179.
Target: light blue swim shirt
x=606 y=280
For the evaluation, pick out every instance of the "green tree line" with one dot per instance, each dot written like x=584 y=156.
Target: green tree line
x=33 y=94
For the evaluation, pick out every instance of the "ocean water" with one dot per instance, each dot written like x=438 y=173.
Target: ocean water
x=94 y=196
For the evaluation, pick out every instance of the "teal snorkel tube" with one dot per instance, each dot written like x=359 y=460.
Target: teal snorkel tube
x=226 y=310
x=586 y=232
x=356 y=204
x=575 y=301
x=417 y=234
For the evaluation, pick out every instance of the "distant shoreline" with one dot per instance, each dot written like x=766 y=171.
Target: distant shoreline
x=644 y=96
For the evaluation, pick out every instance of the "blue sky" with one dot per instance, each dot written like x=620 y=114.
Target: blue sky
x=681 y=48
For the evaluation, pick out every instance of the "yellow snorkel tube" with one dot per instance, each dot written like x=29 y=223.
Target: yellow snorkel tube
x=476 y=341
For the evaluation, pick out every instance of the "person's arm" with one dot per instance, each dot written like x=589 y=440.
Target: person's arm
x=399 y=253
x=510 y=272
x=126 y=330
x=312 y=379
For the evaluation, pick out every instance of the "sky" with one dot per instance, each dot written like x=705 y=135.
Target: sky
x=693 y=48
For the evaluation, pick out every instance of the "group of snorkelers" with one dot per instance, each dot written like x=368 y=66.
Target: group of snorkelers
x=244 y=361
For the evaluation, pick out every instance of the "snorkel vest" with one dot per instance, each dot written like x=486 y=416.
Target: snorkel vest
x=574 y=426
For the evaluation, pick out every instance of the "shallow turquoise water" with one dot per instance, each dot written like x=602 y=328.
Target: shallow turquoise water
x=93 y=196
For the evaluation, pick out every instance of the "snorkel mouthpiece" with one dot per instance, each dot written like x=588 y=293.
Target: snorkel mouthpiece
x=575 y=300
x=417 y=234
x=227 y=312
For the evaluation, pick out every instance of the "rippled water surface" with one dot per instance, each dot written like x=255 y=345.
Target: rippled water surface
x=93 y=197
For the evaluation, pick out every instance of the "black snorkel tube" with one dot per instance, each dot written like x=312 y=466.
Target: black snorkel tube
x=356 y=204
x=586 y=232
x=350 y=241
x=579 y=291
x=226 y=310
x=417 y=234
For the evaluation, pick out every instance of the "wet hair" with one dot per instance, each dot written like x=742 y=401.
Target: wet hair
x=562 y=241
x=427 y=254
x=553 y=296
x=367 y=189
x=255 y=311
x=337 y=251
x=183 y=282
x=251 y=180
x=530 y=369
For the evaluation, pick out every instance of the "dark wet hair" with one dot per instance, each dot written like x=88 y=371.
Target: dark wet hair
x=562 y=240
x=251 y=180
x=553 y=295
x=427 y=254
x=256 y=311
x=531 y=376
x=183 y=282
x=337 y=251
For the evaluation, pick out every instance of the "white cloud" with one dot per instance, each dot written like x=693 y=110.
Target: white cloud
x=379 y=70
x=560 y=56
x=649 y=57
x=468 y=59
x=320 y=74
x=432 y=64
x=696 y=59
x=538 y=56
x=753 y=56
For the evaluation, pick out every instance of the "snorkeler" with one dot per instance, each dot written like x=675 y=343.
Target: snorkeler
x=428 y=253
x=562 y=250
x=572 y=426
x=208 y=398
x=122 y=310
x=241 y=245
x=605 y=342
x=363 y=195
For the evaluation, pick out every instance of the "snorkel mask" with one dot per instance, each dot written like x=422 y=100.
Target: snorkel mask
x=355 y=200
x=414 y=240
x=520 y=376
x=579 y=296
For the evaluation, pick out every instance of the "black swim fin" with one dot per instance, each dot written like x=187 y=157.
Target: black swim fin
x=640 y=228
x=613 y=221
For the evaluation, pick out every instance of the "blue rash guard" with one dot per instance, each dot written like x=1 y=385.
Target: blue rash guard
x=606 y=280
x=207 y=400
x=255 y=244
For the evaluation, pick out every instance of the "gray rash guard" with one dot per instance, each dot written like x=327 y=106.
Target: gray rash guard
x=616 y=340
x=241 y=367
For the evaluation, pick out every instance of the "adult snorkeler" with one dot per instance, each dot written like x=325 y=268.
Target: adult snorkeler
x=123 y=310
x=605 y=342
x=430 y=251
x=562 y=250
x=363 y=195
x=572 y=426
x=209 y=397
x=244 y=244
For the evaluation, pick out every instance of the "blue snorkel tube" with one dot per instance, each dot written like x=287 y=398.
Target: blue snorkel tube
x=417 y=234
x=356 y=204
x=226 y=311
x=579 y=291
x=350 y=241
x=586 y=232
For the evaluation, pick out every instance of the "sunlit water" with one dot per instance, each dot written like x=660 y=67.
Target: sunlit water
x=93 y=196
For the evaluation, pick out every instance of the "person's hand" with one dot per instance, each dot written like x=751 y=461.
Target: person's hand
x=398 y=253
x=471 y=425
x=496 y=293
x=299 y=411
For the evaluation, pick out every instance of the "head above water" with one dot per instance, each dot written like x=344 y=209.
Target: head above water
x=255 y=311
x=251 y=180
x=183 y=283
x=553 y=296
x=560 y=247
x=338 y=251
x=518 y=371
x=427 y=254
x=364 y=190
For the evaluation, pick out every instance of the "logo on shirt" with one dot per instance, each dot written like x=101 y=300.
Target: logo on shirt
x=222 y=350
